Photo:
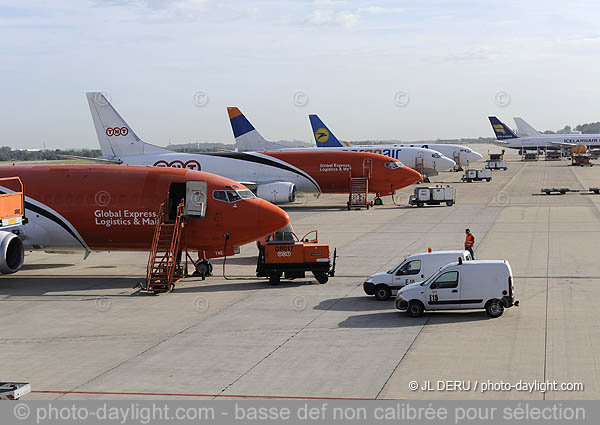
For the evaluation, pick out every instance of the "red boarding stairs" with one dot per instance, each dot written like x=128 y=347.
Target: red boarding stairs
x=359 y=188
x=164 y=269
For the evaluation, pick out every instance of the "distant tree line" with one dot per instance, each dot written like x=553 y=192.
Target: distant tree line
x=590 y=128
x=9 y=154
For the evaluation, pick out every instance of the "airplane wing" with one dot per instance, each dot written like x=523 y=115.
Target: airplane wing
x=99 y=160
x=563 y=144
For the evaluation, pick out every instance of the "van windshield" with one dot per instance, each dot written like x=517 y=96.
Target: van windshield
x=429 y=280
x=393 y=269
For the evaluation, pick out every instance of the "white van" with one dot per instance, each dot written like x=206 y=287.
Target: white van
x=473 y=284
x=415 y=268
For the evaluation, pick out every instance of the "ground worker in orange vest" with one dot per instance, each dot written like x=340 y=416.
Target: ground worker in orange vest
x=469 y=242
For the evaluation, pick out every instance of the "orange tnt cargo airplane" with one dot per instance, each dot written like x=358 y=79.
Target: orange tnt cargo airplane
x=108 y=207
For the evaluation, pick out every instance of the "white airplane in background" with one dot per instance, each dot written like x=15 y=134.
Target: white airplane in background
x=426 y=161
x=524 y=129
x=508 y=139
x=324 y=137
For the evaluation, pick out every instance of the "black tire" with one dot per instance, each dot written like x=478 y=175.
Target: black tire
x=203 y=268
x=449 y=203
x=469 y=180
x=415 y=308
x=382 y=292
x=489 y=180
x=274 y=279
x=378 y=201
x=420 y=204
x=321 y=277
x=494 y=308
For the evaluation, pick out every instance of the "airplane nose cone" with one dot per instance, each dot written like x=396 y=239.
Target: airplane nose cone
x=445 y=163
x=413 y=175
x=476 y=156
x=271 y=218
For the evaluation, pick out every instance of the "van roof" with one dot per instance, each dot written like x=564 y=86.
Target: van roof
x=450 y=252
x=474 y=263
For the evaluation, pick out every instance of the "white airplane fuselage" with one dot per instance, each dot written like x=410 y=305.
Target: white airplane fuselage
x=550 y=141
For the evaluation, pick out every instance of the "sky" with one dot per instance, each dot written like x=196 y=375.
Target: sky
x=378 y=70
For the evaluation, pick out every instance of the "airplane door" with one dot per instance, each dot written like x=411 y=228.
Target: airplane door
x=443 y=293
x=420 y=162
x=195 y=198
x=368 y=168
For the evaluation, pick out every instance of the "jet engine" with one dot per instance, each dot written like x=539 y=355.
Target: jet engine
x=11 y=253
x=277 y=193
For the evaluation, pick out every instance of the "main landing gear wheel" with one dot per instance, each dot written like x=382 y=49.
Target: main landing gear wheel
x=378 y=201
x=426 y=180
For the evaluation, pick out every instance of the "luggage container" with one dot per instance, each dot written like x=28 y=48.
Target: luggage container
x=477 y=175
x=433 y=196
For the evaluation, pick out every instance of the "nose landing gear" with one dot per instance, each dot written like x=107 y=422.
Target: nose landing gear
x=204 y=268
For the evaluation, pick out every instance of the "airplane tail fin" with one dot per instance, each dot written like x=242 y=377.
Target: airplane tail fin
x=115 y=136
x=247 y=138
x=525 y=129
x=323 y=136
x=501 y=130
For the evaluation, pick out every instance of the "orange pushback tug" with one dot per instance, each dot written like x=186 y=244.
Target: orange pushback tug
x=284 y=254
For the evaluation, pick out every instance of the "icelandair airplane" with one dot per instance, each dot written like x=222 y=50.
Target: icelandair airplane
x=425 y=161
x=115 y=208
x=274 y=176
x=508 y=139
x=459 y=154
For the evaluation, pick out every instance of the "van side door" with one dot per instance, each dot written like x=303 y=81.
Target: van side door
x=410 y=272
x=443 y=293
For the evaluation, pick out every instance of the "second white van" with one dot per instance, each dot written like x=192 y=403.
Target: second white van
x=415 y=268
x=486 y=284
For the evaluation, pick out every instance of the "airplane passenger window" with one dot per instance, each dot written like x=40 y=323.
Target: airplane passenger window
x=220 y=195
x=412 y=267
x=446 y=280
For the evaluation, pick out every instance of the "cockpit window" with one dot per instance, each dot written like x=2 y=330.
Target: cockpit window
x=246 y=194
x=436 y=155
x=220 y=195
x=393 y=164
x=232 y=195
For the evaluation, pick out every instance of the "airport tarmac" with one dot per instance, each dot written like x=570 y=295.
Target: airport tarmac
x=74 y=325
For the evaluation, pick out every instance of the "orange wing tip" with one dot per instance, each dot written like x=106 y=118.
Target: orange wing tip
x=233 y=112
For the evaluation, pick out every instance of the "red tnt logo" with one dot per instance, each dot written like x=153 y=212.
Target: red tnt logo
x=117 y=131
x=192 y=164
